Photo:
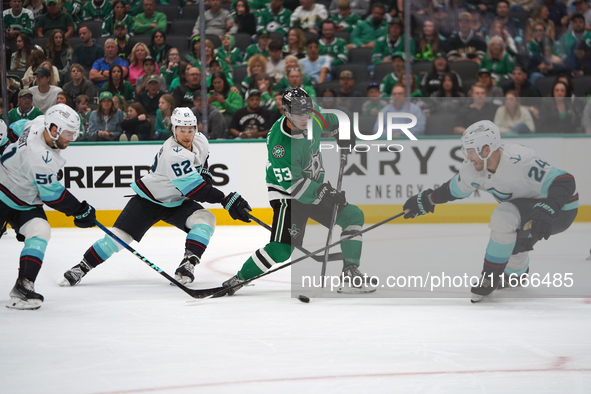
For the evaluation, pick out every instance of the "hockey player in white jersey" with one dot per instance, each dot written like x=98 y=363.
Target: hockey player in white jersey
x=171 y=192
x=529 y=190
x=28 y=179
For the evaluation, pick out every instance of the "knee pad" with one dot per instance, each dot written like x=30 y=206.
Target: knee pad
x=351 y=215
x=201 y=216
x=36 y=227
x=504 y=222
x=112 y=244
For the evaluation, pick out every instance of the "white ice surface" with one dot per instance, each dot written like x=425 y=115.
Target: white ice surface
x=124 y=329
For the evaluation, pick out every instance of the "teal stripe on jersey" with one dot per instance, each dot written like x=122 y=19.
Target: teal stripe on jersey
x=570 y=206
x=12 y=205
x=498 y=253
x=455 y=190
x=35 y=247
x=164 y=204
x=105 y=247
x=188 y=183
x=52 y=192
x=200 y=233
x=552 y=174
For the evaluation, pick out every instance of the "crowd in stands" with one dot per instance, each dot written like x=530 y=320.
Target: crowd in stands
x=124 y=65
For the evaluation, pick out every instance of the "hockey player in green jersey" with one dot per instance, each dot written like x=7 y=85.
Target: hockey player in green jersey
x=297 y=191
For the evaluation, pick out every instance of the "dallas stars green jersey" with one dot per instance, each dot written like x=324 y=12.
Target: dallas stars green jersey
x=294 y=167
x=274 y=23
x=337 y=49
x=23 y=22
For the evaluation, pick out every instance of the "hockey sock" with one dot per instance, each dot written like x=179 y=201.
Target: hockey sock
x=198 y=238
x=498 y=252
x=351 y=220
x=263 y=259
x=100 y=251
x=32 y=257
x=518 y=264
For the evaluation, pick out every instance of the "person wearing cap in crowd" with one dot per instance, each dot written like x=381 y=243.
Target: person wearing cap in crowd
x=308 y=16
x=55 y=19
x=333 y=46
x=251 y=121
x=315 y=66
x=582 y=8
x=346 y=93
x=465 y=45
x=99 y=74
x=105 y=121
x=260 y=48
x=44 y=94
x=398 y=104
x=367 y=32
x=275 y=18
x=150 y=20
x=216 y=124
x=150 y=97
x=392 y=43
x=119 y=16
x=571 y=45
x=25 y=108
x=484 y=76
x=149 y=67
x=229 y=53
x=97 y=10
x=124 y=47
x=88 y=51
x=218 y=21
x=393 y=78
x=375 y=103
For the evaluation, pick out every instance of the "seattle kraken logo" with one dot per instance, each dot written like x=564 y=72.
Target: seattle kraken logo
x=315 y=168
x=46 y=158
x=517 y=159
x=177 y=149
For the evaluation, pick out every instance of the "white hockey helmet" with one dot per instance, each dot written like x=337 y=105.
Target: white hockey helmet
x=3 y=130
x=65 y=119
x=183 y=116
x=480 y=134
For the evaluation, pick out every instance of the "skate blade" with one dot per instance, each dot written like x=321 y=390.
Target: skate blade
x=17 y=303
x=477 y=298
x=356 y=290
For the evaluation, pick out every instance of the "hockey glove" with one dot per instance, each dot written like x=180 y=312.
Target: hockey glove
x=543 y=215
x=206 y=175
x=237 y=207
x=85 y=216
x=346 y=144
x=419 y=204
x=330 y=196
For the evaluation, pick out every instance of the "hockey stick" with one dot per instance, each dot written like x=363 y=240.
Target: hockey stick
x=331 y=257
x=192 y=292
x=317 y=292
x=215 y=292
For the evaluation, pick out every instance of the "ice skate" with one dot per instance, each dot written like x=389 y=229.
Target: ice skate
x=483 y=289
x=74 y=275
x=184 y=273
x=23 y=296
x=354 y=282
x=231 y=282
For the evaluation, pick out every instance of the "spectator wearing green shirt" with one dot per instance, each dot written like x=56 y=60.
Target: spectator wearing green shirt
x=222 y=97
x=25 y=108
x=97 y=10
x=275 y=18
x=150 y=20
x=118 y=16
x=344 y=19
x=55 y=19
x=497 y=59
x=229 y=53
x=367 y=32
x=260 y=48
x=18 y=20
x=386 y=46
x=333 y=46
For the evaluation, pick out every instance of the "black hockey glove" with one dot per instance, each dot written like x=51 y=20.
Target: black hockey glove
x=85 y=216
x=237 y=207
x=543 y=215
x=330 y=196
x=419 y=204
x=206 y=175
x=346 y=144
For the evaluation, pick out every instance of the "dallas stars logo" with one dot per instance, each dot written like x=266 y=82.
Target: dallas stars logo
x=314 y=168
x=278 y=151
x=294 y=231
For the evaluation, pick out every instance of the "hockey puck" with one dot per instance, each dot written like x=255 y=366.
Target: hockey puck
x=304 y=299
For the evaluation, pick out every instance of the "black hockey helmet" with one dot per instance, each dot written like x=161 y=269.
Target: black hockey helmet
x=296 y=102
